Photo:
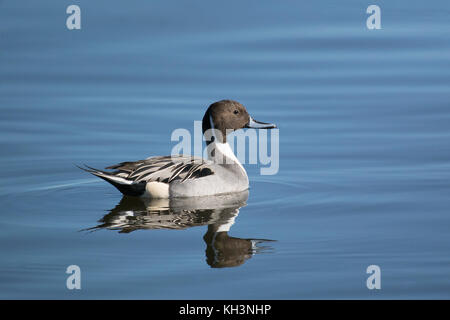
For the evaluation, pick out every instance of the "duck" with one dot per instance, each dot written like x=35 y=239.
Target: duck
x=180 y=176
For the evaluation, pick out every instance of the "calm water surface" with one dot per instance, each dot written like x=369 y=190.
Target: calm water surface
x=364 y=148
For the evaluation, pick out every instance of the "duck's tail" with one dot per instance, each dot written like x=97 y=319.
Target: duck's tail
x=126 y=186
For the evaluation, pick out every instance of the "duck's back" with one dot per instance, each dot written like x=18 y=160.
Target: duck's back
x=174 y=176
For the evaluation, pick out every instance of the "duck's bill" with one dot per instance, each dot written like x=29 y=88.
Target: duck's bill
x=259 y=125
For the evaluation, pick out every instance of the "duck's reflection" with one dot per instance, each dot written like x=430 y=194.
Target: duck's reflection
x=218 y=212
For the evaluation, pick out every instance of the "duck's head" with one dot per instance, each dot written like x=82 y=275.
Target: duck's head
x=228 y=115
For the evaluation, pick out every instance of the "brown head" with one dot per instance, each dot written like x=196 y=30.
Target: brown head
x=228 y=115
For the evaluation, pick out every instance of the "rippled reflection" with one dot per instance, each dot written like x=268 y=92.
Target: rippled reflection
x=219 y=213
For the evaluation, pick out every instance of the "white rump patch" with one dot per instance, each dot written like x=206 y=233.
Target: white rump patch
x=156 y=189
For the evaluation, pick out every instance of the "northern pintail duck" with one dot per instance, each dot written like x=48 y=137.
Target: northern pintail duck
x=185 y=175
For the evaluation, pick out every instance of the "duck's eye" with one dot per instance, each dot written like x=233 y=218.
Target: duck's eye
x=236 y=111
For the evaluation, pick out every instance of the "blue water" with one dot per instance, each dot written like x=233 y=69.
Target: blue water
x=364 y=172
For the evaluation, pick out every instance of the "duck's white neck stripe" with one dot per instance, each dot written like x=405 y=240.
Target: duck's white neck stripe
x=223 y=148
x=211 y=123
